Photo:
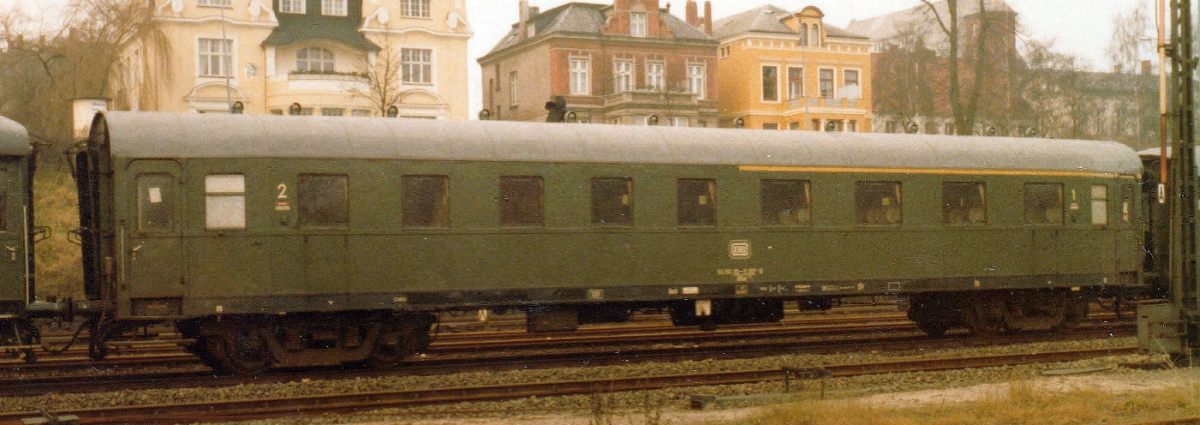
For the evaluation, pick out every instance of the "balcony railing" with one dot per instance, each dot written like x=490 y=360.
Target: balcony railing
x=824 y=102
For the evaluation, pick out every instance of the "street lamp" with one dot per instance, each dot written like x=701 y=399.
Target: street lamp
x=393 y=111
x=652 y=119
x=238 y=107
x=485 y=115
x=571 y=117
x=739 y=123
x=294 y=109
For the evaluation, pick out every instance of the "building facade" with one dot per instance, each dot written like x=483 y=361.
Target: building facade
x=309 y=57
x=631 y=62
x=785 y=70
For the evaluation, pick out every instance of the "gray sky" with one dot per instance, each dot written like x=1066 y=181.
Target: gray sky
x=1079 y=27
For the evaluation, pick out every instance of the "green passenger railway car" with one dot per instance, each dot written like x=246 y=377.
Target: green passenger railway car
x=17 y=335
x=283 y=241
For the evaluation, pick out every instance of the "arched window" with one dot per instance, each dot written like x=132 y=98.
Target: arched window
x=314 y=59
x=803 y=35
x=816 y=35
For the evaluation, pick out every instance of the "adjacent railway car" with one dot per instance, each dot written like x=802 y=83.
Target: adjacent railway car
x=17 y=335
x=284 y=241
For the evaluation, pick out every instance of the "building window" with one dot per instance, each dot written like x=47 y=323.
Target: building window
x=612 y=201
x=1044 y=203
x=333 y=7
x=425 y=201
x=512 y=88
x=679 y=121
x=878 y=203
x=225 y=201
x=581 y=76
x=360 y=113
x=816 y=125
x=1099 y=205
x=414 y=8
x=156 y=210
x=314 y=60
x=697 y=202
x=770 y=126
x=852 y=126
x=333 y=112
x=786 y=202
x=292 y=6
x=623 y=76
x=697 y=80
x=794 y=125
x=218 y=3
x=276 y=112
x=948 y=128
x=816 y=35
x=655 y=77
x=637 y=24
x=890 y=127
x=215 y=57
x=804 y=35
x=849 y=77
x=770 y=84
x=964 y=203
x=416 y=66
x=795 y=83
x=827 y=83
x=521 y=201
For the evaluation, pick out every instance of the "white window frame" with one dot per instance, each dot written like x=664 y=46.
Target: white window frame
x=330 y=112
x=319 y=62
x=225 y=201
x=697 y=74
x=215 y=3
x=656 y=81
x=293 y=6
x=420 y=67
x=638 y=23
x=333 y=7
x=833 y=90
x=512 y=88
x=1099 y=205
x=762 y=82
x=623 y=80
x=579 y=71
x=360 y=113
x=796 y=96
x=854 y=70
x=204 y=57
x=679 y=122
x=415 y=8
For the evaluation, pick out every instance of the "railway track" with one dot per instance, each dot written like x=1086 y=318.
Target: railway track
x=130 y=376
x=308 y=405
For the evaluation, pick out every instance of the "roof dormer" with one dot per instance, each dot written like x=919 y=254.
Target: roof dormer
x=809 y=24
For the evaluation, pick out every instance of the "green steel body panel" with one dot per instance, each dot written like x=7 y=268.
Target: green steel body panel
x=16 y=286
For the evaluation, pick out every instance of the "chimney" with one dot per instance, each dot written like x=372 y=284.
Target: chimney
x=1146 y=67
x=693 y=17
x=708 y=17
x=522 y=17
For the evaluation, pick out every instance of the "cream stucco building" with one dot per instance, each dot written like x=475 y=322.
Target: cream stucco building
x=321 y=57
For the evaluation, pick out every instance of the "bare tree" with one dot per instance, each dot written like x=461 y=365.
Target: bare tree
x=902 y=76
x=383 y=75
x=1128 y=30
x=950 y=25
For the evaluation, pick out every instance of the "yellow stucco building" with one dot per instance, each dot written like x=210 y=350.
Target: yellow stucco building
x=404 y=58
x=781 y=70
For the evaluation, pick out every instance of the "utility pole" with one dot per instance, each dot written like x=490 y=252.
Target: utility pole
x=227 y=60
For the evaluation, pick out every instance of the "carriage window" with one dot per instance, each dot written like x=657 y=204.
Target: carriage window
x=786 y=202
x=1099 y=204
x=521 y=201
x=1043 y=203
x=324 y=200
x=225 y=201
x=878 y=203
x=155 y=209
x=612 y=201
x=697 y=202
x=1127 y=203
x=426 y=201
x=964 y=203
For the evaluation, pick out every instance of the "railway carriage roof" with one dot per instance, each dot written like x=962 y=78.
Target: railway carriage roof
x=14 y=139
x=168 y=135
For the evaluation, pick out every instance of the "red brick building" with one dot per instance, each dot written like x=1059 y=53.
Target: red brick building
x=618 y=64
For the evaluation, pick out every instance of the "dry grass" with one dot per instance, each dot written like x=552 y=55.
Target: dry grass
x=1022 y=404
x=59 y=271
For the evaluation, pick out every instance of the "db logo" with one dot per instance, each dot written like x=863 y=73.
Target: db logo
x=739 y=249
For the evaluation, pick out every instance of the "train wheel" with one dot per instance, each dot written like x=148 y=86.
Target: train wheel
x=389 y=349
x=29 y=356
x=238 y=350
x=1075 y=309
x=985 y=318
x=933 y=328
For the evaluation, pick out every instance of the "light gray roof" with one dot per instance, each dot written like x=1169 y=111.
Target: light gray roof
x=919 y=18
x=168 y=135
x=768 y=19
x=588 y=19
x=14 y=139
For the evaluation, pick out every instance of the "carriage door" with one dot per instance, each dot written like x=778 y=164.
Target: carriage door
x=13 y=243
x=154 y=249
